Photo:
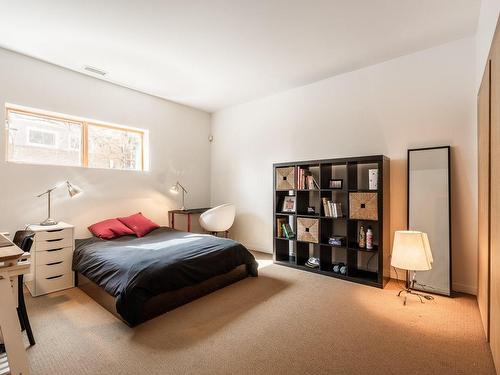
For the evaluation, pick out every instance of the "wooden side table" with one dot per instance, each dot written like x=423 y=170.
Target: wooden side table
x=189 y=213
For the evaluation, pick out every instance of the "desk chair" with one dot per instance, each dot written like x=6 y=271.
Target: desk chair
x=24 y=240
x=218 y=219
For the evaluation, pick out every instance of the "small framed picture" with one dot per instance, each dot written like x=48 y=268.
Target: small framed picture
x=289 y=203
x=336 y=184
x=372 y=179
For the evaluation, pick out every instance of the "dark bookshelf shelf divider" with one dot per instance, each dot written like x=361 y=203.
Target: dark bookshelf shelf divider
x=364 y=266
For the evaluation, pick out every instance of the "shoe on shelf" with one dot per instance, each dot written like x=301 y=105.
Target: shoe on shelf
x=312 y=262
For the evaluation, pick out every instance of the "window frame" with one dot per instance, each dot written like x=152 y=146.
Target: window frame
x=84 y=135
x=114 y=127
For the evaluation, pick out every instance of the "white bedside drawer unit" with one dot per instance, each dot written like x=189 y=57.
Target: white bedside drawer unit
x=52 y=269
x=54 y=234
x=51 y=284
x=52 y=256
x=56 y=243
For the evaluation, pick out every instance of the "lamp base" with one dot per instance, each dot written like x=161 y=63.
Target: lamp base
x=48 y=222
x=419 y=295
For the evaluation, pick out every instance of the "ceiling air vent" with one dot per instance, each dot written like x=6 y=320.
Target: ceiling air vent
x=93 y=70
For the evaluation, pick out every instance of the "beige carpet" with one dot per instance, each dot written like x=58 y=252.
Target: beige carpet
x=283 y=322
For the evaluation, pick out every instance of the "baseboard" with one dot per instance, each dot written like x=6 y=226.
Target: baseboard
x=258 y=248
x=469 y=289
x=457 y=287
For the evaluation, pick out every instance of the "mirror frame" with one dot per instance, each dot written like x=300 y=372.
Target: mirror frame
x=449 y=210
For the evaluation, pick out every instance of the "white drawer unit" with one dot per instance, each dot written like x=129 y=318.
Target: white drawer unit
x=54 y=255
x=51 y=284
x=51 y=256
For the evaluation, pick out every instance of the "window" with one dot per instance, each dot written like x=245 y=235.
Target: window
x=37 y=138
x=114 y=148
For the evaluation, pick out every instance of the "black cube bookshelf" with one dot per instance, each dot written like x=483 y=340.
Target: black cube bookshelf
x=369 y=267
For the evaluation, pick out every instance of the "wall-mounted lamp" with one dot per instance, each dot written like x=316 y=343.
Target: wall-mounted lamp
x=176 y=188
x=73 y=191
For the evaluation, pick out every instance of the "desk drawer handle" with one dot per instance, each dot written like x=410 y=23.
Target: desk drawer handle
x=54 y=263
x=55 y=240
x=50 y=250
x=54 y=230
x=53 y=277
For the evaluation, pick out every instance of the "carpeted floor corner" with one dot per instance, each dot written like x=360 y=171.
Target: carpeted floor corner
x=283 y=322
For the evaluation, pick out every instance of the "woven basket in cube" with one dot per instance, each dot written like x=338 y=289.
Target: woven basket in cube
x=285 y=178
x=363 y=206
x=307 y=229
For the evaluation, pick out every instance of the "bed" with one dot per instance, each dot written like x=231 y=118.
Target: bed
x=138 y=279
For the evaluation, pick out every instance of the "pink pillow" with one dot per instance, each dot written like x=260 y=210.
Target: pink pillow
x=109 y=229
x=139 y=224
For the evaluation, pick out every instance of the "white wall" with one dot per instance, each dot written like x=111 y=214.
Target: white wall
x=488 y=16
x=423 y=99
x=178 y=147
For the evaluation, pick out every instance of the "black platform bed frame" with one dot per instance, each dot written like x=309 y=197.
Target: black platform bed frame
x=164 y=302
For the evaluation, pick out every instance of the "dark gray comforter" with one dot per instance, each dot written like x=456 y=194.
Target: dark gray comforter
x=136 y=269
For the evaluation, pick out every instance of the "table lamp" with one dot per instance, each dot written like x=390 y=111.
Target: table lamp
x=176 y=188
x=73 y=191
x=411 y=251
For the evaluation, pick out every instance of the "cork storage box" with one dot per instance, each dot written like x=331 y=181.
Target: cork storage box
x=363 y=206
x=307 y=230
x=285 y=178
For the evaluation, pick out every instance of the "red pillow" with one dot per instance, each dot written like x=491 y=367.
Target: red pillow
x=109 y=229
x=139 y=224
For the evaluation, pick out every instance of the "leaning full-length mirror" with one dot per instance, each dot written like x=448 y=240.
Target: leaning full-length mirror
x=429 y=212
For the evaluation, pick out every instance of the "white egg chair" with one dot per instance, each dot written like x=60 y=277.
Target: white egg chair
x=218 y=219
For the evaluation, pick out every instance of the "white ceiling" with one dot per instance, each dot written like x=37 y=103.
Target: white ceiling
x=212 y=54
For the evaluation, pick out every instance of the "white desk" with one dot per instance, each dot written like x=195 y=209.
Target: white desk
x=10 y=268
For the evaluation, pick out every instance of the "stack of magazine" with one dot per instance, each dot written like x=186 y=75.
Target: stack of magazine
x=312 y=262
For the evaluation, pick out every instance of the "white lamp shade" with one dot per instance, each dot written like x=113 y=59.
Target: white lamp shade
x=73 y=190
x=411 y=251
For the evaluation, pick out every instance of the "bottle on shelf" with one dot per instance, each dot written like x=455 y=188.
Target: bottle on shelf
x=362 y=237
x=369 y=238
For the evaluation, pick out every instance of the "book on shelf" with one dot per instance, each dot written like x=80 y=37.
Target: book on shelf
x=336 y=209
x=288 y=231
x=326 y=206
x=305 y=180
x=300 y=184
x=279 y=227
x=311 y=183
x=332 y=209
